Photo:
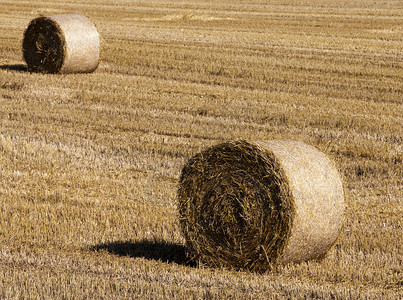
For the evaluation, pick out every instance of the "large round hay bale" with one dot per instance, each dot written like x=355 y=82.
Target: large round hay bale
x=61 y=44
x=254 y=205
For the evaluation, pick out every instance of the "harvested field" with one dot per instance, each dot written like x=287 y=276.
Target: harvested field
x=90 y=163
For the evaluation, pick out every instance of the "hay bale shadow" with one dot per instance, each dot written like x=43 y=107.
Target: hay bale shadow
x=18 y=67
x=153 y=250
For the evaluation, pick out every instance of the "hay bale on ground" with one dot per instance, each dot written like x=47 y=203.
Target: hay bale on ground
x=61 y=44
x=254 y=205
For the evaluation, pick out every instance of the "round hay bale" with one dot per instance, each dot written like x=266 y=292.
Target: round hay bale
x=254 y=205
x=61 y=44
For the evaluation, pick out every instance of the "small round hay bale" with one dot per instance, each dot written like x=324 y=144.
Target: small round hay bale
x=61 y=44
x=254 y=205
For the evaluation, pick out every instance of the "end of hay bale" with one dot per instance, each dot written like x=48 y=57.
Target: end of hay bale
x=61 y=44
x=244 y=206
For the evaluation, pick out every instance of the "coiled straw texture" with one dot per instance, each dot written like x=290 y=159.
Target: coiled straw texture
x=254 y=205
x=61 y=44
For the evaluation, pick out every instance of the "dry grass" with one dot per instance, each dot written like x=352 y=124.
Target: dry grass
x=89 y=163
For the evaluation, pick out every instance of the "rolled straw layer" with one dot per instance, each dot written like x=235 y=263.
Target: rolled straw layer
x=61 y=44
x=253 y=205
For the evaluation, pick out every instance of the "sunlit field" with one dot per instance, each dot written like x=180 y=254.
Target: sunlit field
x=90 y=163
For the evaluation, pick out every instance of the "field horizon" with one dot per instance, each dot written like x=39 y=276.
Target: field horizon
x=90 y=163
